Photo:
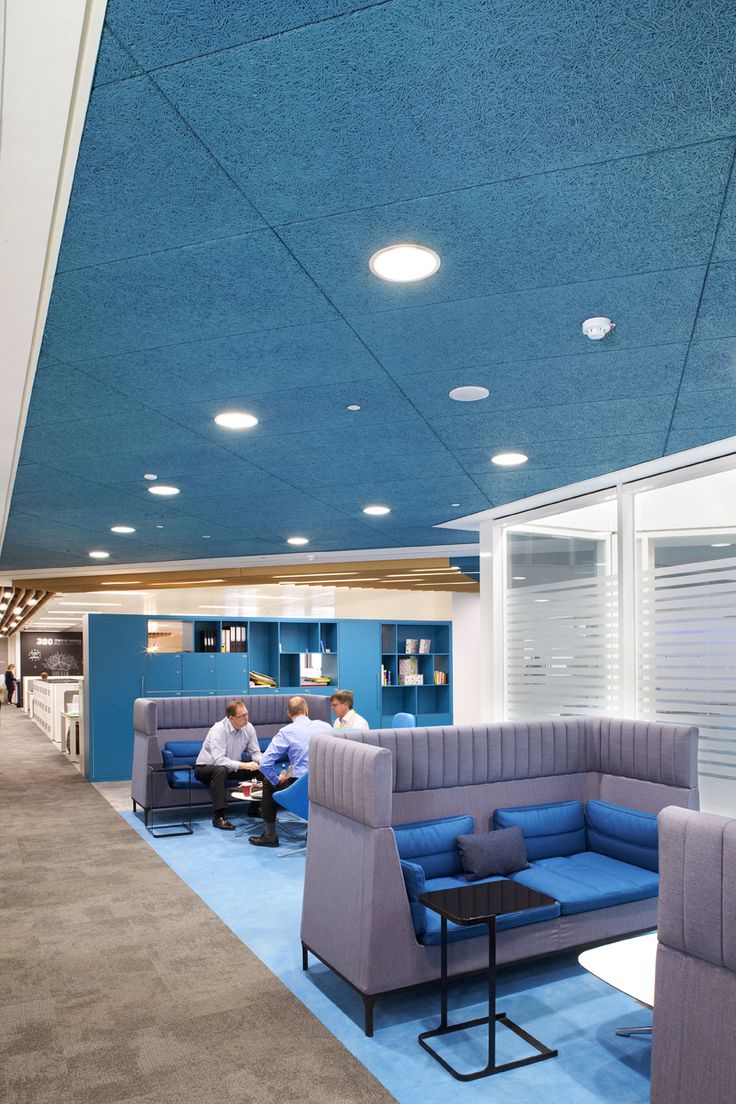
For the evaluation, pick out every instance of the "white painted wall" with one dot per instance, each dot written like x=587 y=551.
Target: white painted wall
x=466 y=663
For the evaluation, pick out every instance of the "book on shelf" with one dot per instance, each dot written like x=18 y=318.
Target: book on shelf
x=316 y=680
x=440 y=678
x=425 y=646
x=413 y=680
x=258 y=679
x=411 y=646
x=407 y=669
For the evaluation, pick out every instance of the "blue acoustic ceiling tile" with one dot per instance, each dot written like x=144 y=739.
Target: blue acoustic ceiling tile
x=639 y=214
x=411 y=492
x=133 y=142
x=648 y=310
x=319 y=356
x=62 y=394
x=23 y=555
x=514 y=486
x=421 y=536
x=725 y=247
x=114 y=63
x=693 y=436
x=717 y=314
x=607 y=452
x=710 y=365
x=322 y=409
x=705 y=409
x=181 y=462
x=164 y=33
x=612 y=374
x=112 y=435
x=201 y=291
x=509 y=429
x=327 y=120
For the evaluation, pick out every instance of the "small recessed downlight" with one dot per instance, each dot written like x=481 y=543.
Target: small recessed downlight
x=721 y=544
x=297 y=540
x=376 y=511
x=404 y=263
x=122 y=529
x=353 y=406
x=163 y=489
x=149 y=475
x=236 y=419
x=206 y=536
x=454 y=503
x=99 y=555
x=469 y=393
x=159 y=526
x=509 y=459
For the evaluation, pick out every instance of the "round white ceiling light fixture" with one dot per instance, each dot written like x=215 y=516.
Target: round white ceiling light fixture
x=99 y=555
x=122 y=529
x=469 y=394
x=297 y=540
x=376 y=511
x=597 y=328
x=150 y=476
x=509 y=459
x=404 y=263
x=353 y=406
x=164 y=490
x=236 y=419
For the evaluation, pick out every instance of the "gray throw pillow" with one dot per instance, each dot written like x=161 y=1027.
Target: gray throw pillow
x=486 y=853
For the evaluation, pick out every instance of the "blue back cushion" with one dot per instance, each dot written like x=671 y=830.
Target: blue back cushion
x=629 y=835
x=430 y=844
x=415 y=887
x=176 y=752
x=549 y=830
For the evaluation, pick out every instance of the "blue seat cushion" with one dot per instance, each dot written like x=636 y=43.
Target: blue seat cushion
x=178 y=753
x=589 y=881
x=431 y=844
x=557 y=828
x=622 y=833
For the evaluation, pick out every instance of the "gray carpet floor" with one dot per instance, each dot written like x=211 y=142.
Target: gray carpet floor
x=116 y=980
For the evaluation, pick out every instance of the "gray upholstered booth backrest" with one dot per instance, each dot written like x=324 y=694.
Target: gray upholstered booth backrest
x=695 y=988
x=697 y=900
x=181 y=718
x=435 y=758
x=351 y=778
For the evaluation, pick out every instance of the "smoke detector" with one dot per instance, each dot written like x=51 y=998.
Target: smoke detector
x=597 y=328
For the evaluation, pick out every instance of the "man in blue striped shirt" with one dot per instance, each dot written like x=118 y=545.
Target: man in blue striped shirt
x=292 y=742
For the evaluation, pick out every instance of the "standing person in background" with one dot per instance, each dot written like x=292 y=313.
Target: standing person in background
x=11 y=684
x=346 y=717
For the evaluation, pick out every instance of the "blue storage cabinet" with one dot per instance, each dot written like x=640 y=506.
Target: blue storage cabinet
x=353 y=654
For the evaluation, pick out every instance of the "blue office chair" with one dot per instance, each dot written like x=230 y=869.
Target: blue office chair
x=295 y=799
x=404 y=720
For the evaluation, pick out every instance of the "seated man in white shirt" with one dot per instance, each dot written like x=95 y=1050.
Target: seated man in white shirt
x=230 y=750
x=292 y=742
x=342 y=706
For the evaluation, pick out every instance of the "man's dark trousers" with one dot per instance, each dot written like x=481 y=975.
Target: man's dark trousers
x=216 y=778
x=269 y=808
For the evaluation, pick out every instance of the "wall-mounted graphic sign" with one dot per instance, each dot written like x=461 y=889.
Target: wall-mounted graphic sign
x=58 y=653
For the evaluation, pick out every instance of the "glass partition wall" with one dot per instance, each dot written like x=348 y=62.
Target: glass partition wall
x=623 y=602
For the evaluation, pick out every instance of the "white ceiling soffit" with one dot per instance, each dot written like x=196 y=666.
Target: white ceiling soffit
x=48 y=50
x=717 y=451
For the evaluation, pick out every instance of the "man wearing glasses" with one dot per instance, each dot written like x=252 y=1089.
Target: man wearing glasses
x=230 y=750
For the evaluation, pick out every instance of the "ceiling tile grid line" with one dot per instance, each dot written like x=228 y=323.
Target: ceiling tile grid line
x=700 y=301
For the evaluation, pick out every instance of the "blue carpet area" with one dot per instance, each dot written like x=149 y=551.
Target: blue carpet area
x=257 y=893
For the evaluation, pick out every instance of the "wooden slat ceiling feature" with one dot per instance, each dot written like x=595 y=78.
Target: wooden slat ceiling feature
x=17 y=604
x=408 y=574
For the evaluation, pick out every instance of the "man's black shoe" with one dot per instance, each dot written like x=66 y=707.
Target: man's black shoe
x=264 y=841
x=221 y=822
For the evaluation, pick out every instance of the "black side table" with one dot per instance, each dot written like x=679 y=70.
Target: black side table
x=184 y=827
x=481 y=904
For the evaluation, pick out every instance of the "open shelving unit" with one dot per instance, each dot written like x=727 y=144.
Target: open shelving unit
x=430 y=701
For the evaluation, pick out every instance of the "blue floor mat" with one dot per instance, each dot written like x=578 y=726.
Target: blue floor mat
x=257 y=893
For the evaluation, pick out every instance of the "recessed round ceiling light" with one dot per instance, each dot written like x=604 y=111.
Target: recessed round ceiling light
x=509 y=459
x=159 y=526
x=469 y=393
x=206 y=536
x=722 y=544
x=100 y=555
x=236 y=419
x=148 y=475
x=376 y=511
x=297 y=540
x=404 y=263
x=353 y=406
x=454 y=503
x=163 y=489
x=122 y=529
x=519 y=578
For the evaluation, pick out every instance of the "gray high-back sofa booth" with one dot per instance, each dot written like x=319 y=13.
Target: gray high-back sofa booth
x=362 y=784
x=695 y=988
x=158 y=720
